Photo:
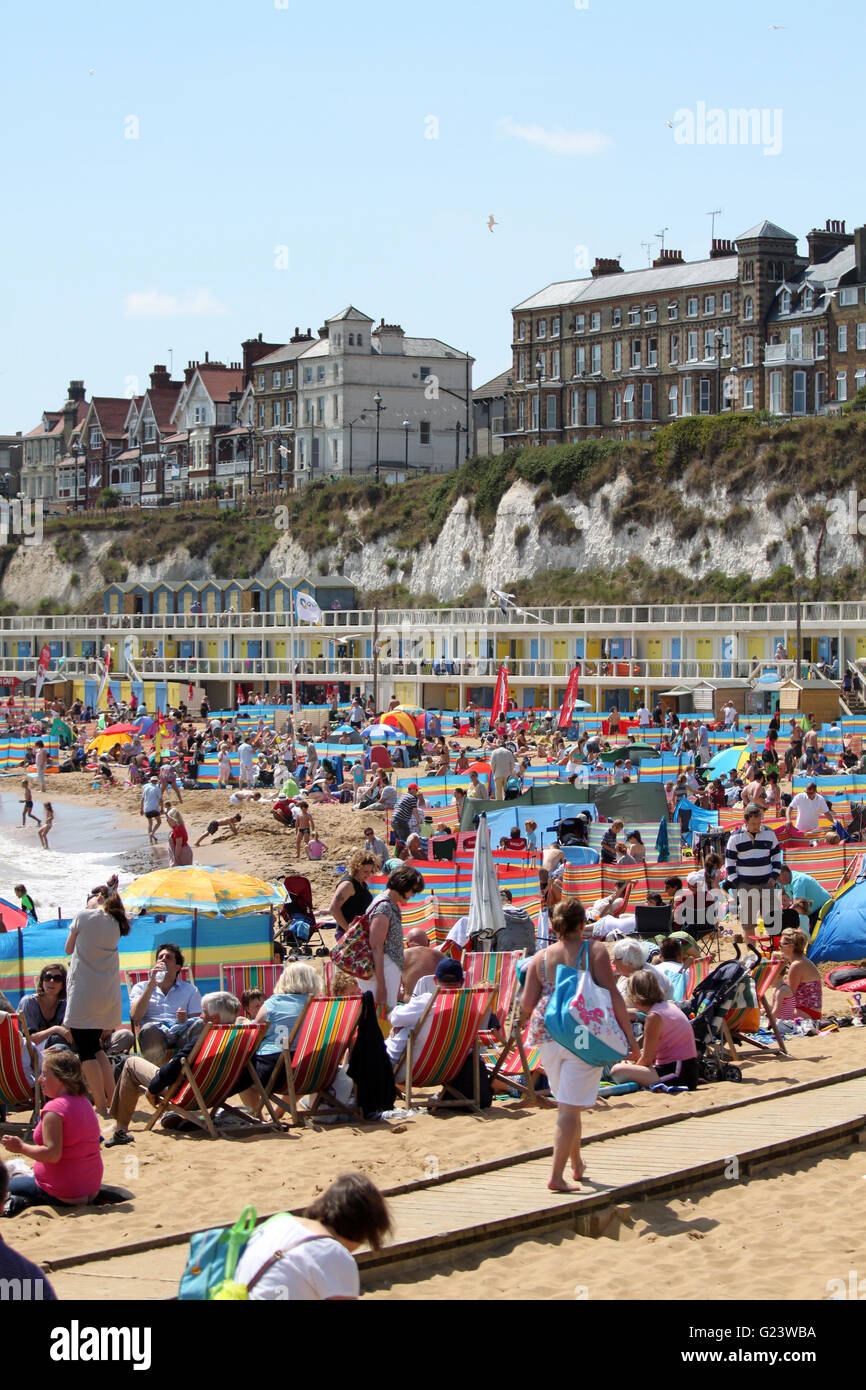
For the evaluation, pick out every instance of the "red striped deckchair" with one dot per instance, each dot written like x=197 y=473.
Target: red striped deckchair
x=314 y=1050
x=263 y=975
x=696 y=973
x=764 y=975
x=457 y=1015
x=216 y=1069
x=518 y=1062
x=16 y=1092
x=498 y=969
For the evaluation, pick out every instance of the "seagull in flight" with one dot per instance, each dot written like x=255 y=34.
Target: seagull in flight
x=778 y=26
x=491 y=223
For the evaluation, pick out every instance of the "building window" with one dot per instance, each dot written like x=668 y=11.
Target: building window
x=261 y=459
x=534 y=420
x=521 y=415
x=748 y=392
x=748 y=271
x=541 y=331
x=616 y=318
x=808 y=298
x=635 y=352
x=646 y=401
x=290 y=377
x=351 y=340
x=775 y=271
x=551 y=412
x=726 y=302
x=320 y=410
x=290 y=413
x=335 y=400
x=785 y=302
x=595 y=323
x=277 y=382
x=261 y=415
x=692 y=346
x=360 y=340
x=799 y=399
x=861 y=336
x=580 y=323
x=819 y=341
x=521 y=366
x=95 y=439
x=555 y=327
x=652 y=352
x=595 y=358
x=709 y=303
x=672 y=400
x=673 y=311
x=277 y=421
x=320 y=372
x=617 y=355
x=748 y=352
x=651 y=314
x=634 y=314
x=820 y=390
x=705 y=395
x=541 y=361
x=748 y=308
x=859 y=379
x=688 y=385
x=726 y=341
x=261 y=381
x=424 y=372
x=841 y=386
x=692 y=307
x=776 y=393
x=521 y=331
x=574 y=417
x=628 y=401
x=674 y=349
x=842 y=337
x=617 y=405
x=270 y=456
x=308 y=375
x=308 y=412
x=554 y=364
x=591 y=408
x=848 y=296
x=579 y=361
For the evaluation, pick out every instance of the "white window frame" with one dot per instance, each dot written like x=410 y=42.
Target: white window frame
x=726 y=302
x=692 y=306
x=634 y=352
x=646 y=395
x=595 y=358
x=617 y=354
x=819 y=344
x=848 y=295
x=673 y=349
x=652 y=352
x=580 y=360
x=798 y=391
x=688 y=402
x=748 y=393
x=673 y=399
x=595 y=322
x=555 y=364
x=785 y=302
x=592 y=406
x=651 y=313
x=521 y=330
x=616 y=318
x=617 y=405
x=749 y=351
x=808 y=298
x=628 y=400
x=541 y=329
x=841 y=386
x=634 y=316
x=673 y=311
x=748 y=309
x=861 y=337
x=580 y=323
x=774 y=393
x=820 y=390
x=709 y=305
x=555 y=327
x=277 y=384
x=841 y=337
x=692 y=345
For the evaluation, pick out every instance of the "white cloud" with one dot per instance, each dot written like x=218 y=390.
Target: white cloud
x=153 y=304
x=557 y=140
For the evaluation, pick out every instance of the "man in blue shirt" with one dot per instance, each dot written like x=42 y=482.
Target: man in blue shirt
x=804 y=886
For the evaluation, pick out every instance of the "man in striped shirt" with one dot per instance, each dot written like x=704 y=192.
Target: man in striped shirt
x=753 y=861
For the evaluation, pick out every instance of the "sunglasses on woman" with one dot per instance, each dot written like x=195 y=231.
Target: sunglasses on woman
x=53 y=979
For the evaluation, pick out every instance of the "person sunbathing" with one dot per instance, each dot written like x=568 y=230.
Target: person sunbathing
x=669 y=1054
x=799 y=997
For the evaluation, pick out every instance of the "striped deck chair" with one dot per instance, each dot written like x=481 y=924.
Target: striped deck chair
x=457 y=1015
x=263 y=975
x=16 y=1092
x=311 y=1058
x=764 y=975
x=692 y=976
x=498 y=969
x=216 y=1069
x=518 y=1063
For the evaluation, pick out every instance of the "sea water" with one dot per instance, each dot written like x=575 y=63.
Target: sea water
x=85 y=848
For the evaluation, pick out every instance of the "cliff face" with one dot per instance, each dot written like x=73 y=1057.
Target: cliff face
x=695 y=530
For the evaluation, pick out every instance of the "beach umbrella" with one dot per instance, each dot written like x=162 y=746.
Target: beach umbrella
x=485 y=904
x=145 y=724
x=12 y=916
x=121 y=729
x=399 y=719
x=634 y=751
x=480 y=768
x=101 y=743
x=380 y=733
x=728 y=759
x=198 y=888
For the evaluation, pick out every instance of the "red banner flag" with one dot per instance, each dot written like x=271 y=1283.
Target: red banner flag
x=44 y=663
x=500 y=697
x=570 y=697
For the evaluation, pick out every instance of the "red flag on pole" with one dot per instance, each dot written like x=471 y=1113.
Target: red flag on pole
x=500 y=697
x=570 y=697
x=44 y=663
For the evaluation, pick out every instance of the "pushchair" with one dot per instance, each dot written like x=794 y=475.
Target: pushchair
x=856 y=827
x=297 y=925
x=708 y=1008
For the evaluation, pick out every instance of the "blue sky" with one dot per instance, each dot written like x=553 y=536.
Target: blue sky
x=305 y=127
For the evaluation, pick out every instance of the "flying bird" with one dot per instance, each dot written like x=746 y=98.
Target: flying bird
x=778 y=26
x=669 y=124
x=491 y=223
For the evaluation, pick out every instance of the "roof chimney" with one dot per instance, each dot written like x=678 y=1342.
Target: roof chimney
x=159 y=378
x=721 y=247
x=825 y=243
x=668 y=257
x=860 y=252
x=207 y=357
x=606 y=265
x=76 y=391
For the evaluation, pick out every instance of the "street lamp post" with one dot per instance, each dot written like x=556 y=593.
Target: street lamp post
x=377 y=401
x=457 y=429
x=362 y=418
x=539 y=377
x=407 y=427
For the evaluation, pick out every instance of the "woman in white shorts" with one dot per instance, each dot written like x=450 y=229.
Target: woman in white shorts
x=574 y=1082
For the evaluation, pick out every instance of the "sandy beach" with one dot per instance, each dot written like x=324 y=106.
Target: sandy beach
x=180 y=1182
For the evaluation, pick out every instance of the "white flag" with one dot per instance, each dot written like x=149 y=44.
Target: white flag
x=307 y=609
x=129 y=651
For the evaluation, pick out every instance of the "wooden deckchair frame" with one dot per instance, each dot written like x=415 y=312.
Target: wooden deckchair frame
x=285 y=1065
x=459 y=1101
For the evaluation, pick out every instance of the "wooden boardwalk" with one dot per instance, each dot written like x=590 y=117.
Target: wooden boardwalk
x=510 y=1197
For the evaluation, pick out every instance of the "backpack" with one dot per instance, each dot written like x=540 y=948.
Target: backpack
x=353 y=953
x=213 y=1258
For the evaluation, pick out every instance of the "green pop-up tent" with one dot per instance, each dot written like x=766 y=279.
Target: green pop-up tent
x=628 y=801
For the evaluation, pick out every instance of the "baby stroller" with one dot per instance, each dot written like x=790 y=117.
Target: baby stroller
x=857 y=825
x=709 y=1005
x=297 y=925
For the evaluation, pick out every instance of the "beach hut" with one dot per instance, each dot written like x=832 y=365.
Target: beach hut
x=162 y=599
x=279 y=596
x=212 y=595
x=187 y=594
x=112 y=598
x=813 y=697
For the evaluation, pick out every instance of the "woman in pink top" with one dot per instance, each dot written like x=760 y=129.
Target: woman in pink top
x=67 y=1164
x=669 y=1054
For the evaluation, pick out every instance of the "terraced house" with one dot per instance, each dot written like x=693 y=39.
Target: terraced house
x=754 y=326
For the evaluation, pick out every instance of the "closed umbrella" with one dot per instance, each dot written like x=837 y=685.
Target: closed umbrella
x=485 y=904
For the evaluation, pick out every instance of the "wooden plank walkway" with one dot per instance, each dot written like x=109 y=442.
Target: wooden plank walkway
x=511 y=1197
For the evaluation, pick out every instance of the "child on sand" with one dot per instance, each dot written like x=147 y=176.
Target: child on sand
x=304 y=826
x=316 y=849
x=27 y=802
x=49 y=821
x=228 y=822
x=26 y=901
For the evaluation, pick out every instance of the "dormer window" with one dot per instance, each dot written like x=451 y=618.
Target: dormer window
x=808 y=298
x=785 y=302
